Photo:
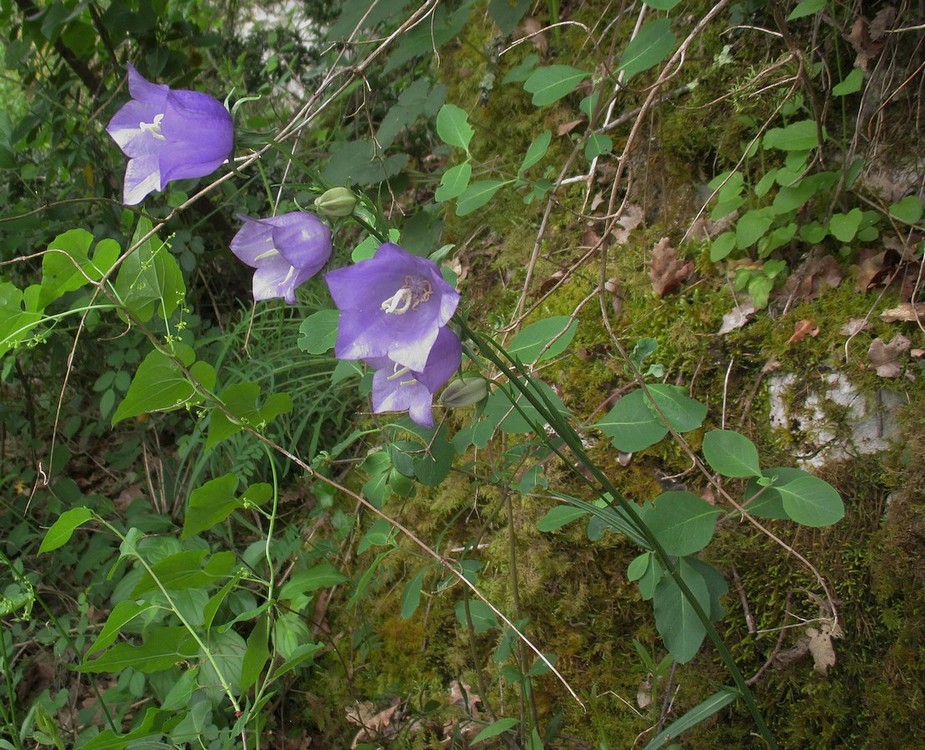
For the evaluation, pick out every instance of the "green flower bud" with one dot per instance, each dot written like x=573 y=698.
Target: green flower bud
x=464 y=391
x=338 y=201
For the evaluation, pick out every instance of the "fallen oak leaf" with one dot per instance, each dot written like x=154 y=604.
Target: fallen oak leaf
x=737 y=317
x=883 y=356
x=907 y=312
x=802 y=329
x=668 y=270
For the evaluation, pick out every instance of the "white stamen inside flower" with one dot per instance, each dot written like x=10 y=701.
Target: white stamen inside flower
x=288 y=276
x=414 y=291
x=154 y=128
x=268 y=254
x=398 y=372
x=399 y=303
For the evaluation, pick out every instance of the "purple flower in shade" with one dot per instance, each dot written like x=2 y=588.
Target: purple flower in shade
x=286 y=250
x=168 y=135
x=398 y=388
x=392 y=305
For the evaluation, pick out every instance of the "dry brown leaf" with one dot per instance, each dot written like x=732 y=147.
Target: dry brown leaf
x=463 y=696
x=818 y=273
x=883 y=23
x=872 y=266
x=644 y=693
x=883 y=356
x=853 y=327
x=820 y=646
x=736 y=318
x=376 y=725
x=905 y=313
x=630 y=219
x=865 y=48
x=538 y=40
x=668 y=270
x=802 y=329
x=567 y=127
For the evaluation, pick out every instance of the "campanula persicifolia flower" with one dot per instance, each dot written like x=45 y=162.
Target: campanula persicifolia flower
x=398 y=388
x=392 y=305
x=286 y=250
x=168 y=135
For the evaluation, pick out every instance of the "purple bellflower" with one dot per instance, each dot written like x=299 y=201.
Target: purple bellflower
x=398 y=388
x=168 y=135
x=286 y=250
x=392 y=305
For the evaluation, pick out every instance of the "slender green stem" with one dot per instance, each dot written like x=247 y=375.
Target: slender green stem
x=570 y=437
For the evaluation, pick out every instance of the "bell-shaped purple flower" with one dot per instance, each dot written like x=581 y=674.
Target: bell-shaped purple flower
x=286 y=250
x=392 y=305
x=168 y=135
x=397 y=388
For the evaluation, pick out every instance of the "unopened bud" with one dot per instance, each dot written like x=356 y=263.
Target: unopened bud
x=338 y=201
x=464 y=392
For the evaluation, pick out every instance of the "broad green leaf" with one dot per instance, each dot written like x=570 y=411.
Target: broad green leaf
x=297 y=658
x=453 y=127
x=528 y=344
x=256 y=655
x=722 y=246
x=598 y=145
x=537 y=151
x=68 y=265
x=163 y=648
x=716 y=586
x=648 y=48
x=701 y=712
x=500 y=412
x=411 y=596
x=811 y=501
x=550 y=83
x=454 y=182
x=211 y=504
x=675 y=618
x=851 y=85
x=806 y=8
x=682 y=412
x=908 y=210
x=186 y=569
x=752 y=226
x=433 y=463
x=150 y=726
x=637 y=568
x=495 y=728
x=19 y=314
x=150 y=279
x=507 y=14
x=844 y=227
x=318 y=331
x=241 y=400
x=731 y=454
x=650 y=578
x=305 y=581
x=61 y=530
x=419 y=99
x=767 y=503
x=160 y=385
x=290 y=632
x=123 y=613
x=798 y=136
x=483 y=617
x=681 y=522
x=557 y=517
x=631 y=424
x=477 y=195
